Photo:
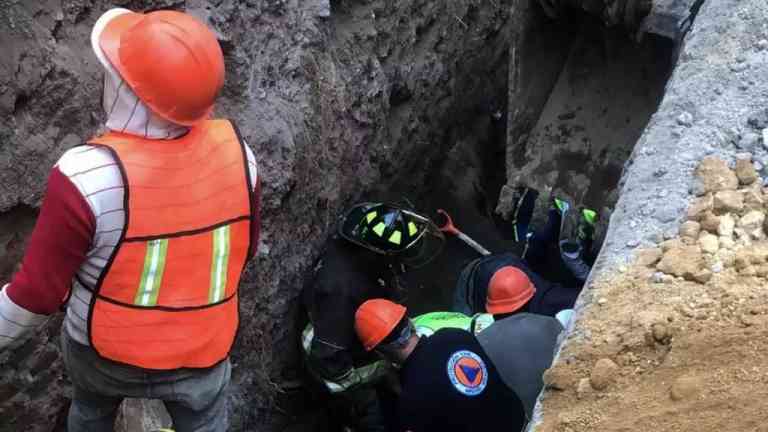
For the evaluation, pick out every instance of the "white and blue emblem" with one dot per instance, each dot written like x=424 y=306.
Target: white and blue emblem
x=467 y=373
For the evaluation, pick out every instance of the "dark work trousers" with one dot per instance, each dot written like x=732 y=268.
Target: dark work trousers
x=541 y=240
x=568 y=268
x=196 y=399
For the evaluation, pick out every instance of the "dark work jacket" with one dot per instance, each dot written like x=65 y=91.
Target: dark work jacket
x=522 y=347
x=472 y=287
x=345 y=276
x=431 y=401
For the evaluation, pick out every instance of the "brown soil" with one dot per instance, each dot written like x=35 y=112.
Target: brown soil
x=690 y=356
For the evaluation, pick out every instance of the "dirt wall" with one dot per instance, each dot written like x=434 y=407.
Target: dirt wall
x=335 y=98
x=538 y=52
x=607 y=91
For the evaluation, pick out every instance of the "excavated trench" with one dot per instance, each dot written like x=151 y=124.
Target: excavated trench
x=595 y=92
x=409 y=99
x=597 y=106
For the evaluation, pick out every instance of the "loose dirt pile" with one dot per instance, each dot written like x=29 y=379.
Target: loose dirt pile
x=677 y=341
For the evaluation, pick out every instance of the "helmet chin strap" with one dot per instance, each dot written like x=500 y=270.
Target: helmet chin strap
x=127 y=114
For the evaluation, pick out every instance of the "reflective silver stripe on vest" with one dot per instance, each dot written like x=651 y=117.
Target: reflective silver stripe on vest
x=361 y=375
x=152 y=275
x=219 y=264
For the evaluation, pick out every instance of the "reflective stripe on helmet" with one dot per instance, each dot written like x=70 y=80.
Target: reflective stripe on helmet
x=379 y=229
x=396 y=237
x=388 y=229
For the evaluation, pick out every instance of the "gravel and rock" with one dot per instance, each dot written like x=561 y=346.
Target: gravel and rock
x=714 y=235
x=682 y=261
x=649 y=257
x=710 y=222
x=709 y=243
x=701 y=207
x=728 y=201
x=690 y=229
x=745 y=171
x=714 y=175
x=717 y=38
x=715 y=340
x=752 y=224
x=726 y=226
x=684 y=388
x=603 y=374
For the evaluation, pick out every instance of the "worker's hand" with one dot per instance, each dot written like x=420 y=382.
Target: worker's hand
x=352 y=380
x=16 y=323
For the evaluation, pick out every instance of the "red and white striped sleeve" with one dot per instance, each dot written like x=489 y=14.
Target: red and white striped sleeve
x=254 y=175
x=58 y=245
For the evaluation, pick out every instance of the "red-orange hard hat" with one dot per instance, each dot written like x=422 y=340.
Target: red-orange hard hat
x=509 y=290
x=172 y=62
x=375 y=319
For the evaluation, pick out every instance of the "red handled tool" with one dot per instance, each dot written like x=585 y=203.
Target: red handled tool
x=449 y=228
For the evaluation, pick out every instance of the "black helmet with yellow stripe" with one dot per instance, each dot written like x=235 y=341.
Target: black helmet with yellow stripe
x=389 y=229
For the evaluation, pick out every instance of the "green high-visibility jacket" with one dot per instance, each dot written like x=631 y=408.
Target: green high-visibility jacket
x=428 y=323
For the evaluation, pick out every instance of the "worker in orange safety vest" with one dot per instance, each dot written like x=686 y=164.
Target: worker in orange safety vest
x=145 y=230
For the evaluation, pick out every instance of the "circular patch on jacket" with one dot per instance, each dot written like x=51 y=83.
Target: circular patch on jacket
x=467 y=373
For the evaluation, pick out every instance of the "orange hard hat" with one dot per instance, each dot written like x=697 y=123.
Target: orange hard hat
x=375 y=319
x=509 y=290
x=172 y=61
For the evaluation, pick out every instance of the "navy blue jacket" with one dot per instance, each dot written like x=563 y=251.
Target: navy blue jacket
x=472 y=287
x=450 y=384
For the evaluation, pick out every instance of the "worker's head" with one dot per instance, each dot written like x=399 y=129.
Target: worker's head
x=508 y=291
x=388 y=229
x=163 y=71
x=383 y=326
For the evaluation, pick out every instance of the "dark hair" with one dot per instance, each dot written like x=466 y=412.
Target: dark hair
x=501 y=316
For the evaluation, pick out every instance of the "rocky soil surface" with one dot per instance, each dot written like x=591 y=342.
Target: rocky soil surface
x=676 y=341
x=336 y=98
x=714 y=104
x=683 y=319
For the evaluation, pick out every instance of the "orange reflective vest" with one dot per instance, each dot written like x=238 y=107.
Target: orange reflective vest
x=167 y=298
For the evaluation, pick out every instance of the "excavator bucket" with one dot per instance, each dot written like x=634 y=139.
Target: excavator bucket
x=670 y=18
